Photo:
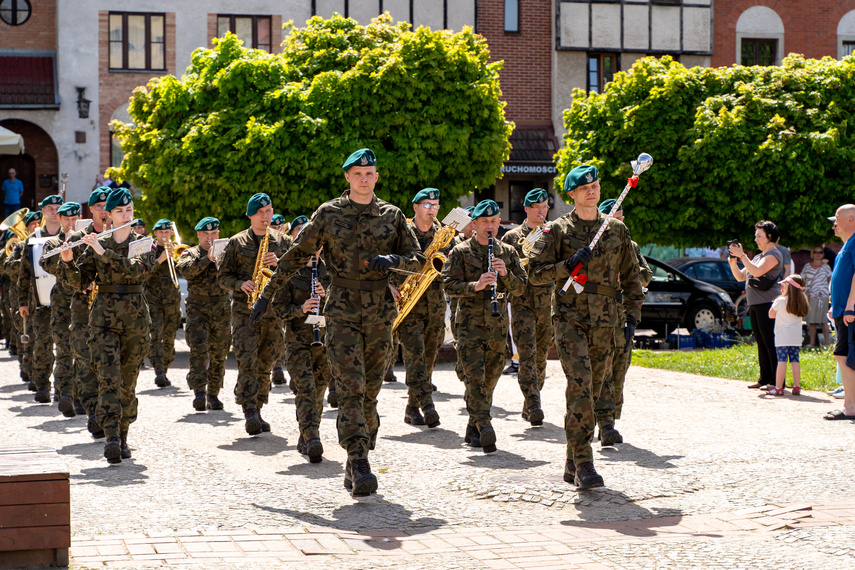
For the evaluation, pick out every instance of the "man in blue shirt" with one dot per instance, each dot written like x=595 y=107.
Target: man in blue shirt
x=843 y=306
x=12 y=190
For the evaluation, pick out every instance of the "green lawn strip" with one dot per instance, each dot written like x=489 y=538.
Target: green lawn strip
x=740 y=363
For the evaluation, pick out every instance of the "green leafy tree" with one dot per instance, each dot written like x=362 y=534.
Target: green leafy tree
x=241 y=121
x=731 y=146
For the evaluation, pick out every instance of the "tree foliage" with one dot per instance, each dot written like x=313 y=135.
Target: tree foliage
x=731 y=146
x=241 y=121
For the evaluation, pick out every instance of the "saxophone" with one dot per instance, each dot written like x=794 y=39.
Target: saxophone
x=415 y=285
x=261 y=274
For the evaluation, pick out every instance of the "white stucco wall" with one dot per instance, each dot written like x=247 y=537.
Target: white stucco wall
x=605 y=26
x=760 y=22
x=845 y=31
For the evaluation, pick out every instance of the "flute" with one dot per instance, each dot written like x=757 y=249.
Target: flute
x=494 y=299
x=59 y=250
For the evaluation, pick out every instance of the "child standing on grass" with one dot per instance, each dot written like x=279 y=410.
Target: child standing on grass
x=788 y=310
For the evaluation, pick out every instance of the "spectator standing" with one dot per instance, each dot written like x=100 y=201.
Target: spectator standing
x=788 y=310
x=817 y=276
x=12 y=190
x=788 y=267
x=843 y=306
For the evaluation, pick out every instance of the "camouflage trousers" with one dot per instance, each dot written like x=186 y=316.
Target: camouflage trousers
x=421 y=336
x=532 y=333
x=308 y=367
x=610 y=403
x=586 y=355
x=256 y=348
x=481 y=353
x=40 y=346
x=165 y=320
x=85 y=377
x=63 y=371
x=10 y=320
x=117 y=354
x=25 y=351
x=358 y=356
x=208 y=335
x=282 y=357
x=452 y=306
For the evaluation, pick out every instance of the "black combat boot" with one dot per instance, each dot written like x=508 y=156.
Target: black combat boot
x=199 y=401
x=78 y=408
x=587 y=477
x=66 y=406
x=413 y=416
x=126 y=451
x=609 y=435
x=315 y=450
x=533 y=415
x=278 y=376
x=332 y=399
x=42 y=396
x=213 y=402
x=13 y=350
x=113 y=450
x=253 y=422
x=472 y=436
x=31 y=386
x=292 y=386
x=431 y=416
x=161 y=381
x=301 y=446
x=24 y=376
x=94 y=428
x=488 y=438
x=265 y=427
x=364 y=481
x=348 y=476
x=390 y=376
x=570 y=472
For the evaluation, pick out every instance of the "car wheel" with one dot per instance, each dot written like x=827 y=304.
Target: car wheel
x=702 y=317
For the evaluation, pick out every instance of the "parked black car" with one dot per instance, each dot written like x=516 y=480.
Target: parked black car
x=674 y=300
x=716 y=272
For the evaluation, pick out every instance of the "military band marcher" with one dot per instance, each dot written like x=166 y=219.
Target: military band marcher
x=60 y=307
x=586 y=323
x=12 y=268
x=241 y=270
x=466 y=233
x=531 y=313
x=164 y=304
x=277 y=223
x=119 y=319
x=35 y=307
x=139 y=226
x=207 y=330
x=363 y=238
x=422 y=331
x=482 y=283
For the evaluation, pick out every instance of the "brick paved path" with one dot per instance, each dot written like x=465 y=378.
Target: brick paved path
x=711 y=475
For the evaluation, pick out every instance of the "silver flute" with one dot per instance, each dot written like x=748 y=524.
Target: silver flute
x=59 y=250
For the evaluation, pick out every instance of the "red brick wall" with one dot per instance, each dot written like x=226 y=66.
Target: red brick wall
x=526 y=78
x=810 y=27
x=115 y=88
x=39 y=32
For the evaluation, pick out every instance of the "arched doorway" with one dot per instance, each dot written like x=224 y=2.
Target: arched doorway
x=37 y=168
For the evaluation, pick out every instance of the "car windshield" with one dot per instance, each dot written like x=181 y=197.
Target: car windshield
x=661 y=275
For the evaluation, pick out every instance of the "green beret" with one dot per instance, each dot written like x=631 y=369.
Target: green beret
x=99 y=195
x=426 y=194
x=581 y=175
x=606 y=205
x=138 y=222
x=277 y=220
x=69 y=209
x=33 y=217
x=257 y=202
x=118 y=197
x=51 y=201
x=207 y=224
x=362 y=157
x=485 y=208
x=299 y=221
x=162 y=224
x=535 y=196
x=469 y=208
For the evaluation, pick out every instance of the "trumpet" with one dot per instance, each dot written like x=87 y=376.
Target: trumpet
x=59 y=250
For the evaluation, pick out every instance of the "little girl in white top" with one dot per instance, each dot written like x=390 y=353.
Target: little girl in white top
x=788 y=310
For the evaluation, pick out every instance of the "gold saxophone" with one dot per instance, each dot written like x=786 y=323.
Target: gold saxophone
x=415 y=285
x=261 y=274
x=527 y=242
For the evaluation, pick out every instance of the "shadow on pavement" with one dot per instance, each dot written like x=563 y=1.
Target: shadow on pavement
x=642 y=522
x=34 y=410
x=14 y=387
x=440 y=438
x=326 y=469
x=500 y=459
x=801 y=398
x=364 y=515
x=170 y=391
x=76 y=424
x=213 y=418
x=93 y=450
x=265 y=445
x=547 y=432
x=120 y=474
x=446 y=397
x=639 y=456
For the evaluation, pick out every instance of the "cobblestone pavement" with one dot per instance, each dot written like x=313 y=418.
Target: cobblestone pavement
x=711 y=474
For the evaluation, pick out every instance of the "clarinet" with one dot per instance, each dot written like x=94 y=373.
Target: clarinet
x=494 y=299
x=316 y=328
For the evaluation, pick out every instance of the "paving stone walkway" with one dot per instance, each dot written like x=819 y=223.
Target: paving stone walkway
x=711 y=475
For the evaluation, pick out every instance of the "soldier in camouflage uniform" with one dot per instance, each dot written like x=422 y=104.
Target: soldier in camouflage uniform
x=307 y=363
x=207 y=329
x=461 y=236
x=164 y=305
x=12 y=268
x=277 y=377
x=256 y=346
x=10 y=324
x=481 y=335
x=422 y=332
x=119 y=319
x=531 y=314
x=60 y=318
x=586 y=323
x=362 y=237
x=38 y=314
x=610 y=402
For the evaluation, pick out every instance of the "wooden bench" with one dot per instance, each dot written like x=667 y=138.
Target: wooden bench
x=35 y=515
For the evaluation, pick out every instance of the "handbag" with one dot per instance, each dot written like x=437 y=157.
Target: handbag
x=762 y=283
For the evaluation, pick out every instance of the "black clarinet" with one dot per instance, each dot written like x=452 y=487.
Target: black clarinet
x=316 y=328
x=495 y=298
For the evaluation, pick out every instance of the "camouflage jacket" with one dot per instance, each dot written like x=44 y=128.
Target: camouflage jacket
x=159 y=287
x=535 y=297
x=26 y=275
x=290 y=299
x=350 y=239
x=237 y=263
x=612 y=266
x=433 y=300
x=11 y=267
x=196 y=267
x=464 y=267
x=646 y=273
x=79 y=299
x=62 y=291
